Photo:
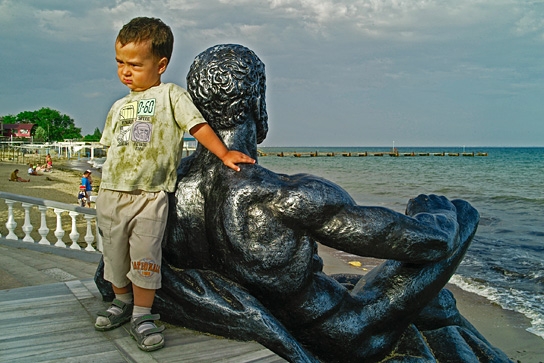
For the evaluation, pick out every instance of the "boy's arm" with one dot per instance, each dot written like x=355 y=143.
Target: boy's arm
x=207 y=137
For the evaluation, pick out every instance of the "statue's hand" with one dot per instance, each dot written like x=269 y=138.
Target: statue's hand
x=438 y=216
x=432 y=204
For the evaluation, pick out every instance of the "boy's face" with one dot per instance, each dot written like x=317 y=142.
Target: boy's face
x=137 y=67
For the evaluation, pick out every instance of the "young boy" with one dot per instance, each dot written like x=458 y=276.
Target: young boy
x=82 y=196
x=87 y=182
x=144 y=132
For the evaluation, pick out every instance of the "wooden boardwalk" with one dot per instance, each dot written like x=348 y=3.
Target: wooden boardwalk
x=53 y=322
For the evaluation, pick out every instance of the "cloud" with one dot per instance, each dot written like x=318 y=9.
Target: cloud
x=380 y=65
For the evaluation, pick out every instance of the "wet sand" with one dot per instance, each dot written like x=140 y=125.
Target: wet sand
x=503 y=328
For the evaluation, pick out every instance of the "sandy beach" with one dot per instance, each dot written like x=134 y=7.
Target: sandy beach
x=61 y=185
x=503 y=328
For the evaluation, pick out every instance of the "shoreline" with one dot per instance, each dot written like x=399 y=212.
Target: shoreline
x=504 y=329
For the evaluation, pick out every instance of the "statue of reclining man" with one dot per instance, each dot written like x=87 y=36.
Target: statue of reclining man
x=240 y=255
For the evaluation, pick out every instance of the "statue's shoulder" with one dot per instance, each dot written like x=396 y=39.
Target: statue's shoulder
x=259 y=181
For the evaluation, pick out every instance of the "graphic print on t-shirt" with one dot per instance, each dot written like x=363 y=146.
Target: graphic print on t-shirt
x=135 y=118
x=141 y=132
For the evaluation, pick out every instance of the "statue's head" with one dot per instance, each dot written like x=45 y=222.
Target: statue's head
x=227 y=83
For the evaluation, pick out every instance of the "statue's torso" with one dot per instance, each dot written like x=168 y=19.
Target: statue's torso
x=250 y=241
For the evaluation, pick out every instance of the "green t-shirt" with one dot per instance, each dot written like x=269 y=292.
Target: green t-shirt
x=144 y=132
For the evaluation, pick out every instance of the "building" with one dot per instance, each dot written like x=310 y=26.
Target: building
x=20 y=130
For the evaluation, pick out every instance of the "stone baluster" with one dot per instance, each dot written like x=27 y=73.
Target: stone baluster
x=59 y=232
x=11 y=224
x=92 y=232
x=27 y=226
x=74 y=234
x=89 y=238
x=43 y=231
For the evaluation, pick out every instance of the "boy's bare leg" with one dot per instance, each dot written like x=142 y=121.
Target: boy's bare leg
x=124 y=294
x=142 y=297
x=121 y=290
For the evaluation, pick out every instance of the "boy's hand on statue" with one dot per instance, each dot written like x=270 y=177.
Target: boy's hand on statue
x=233 y=157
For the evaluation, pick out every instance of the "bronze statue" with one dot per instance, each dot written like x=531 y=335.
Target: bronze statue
x=240 y=251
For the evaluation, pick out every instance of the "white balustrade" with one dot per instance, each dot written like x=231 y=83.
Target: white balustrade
x=89 y=238
x=59 y=232
x=29 y=206
x=43 y=231
x=27 y=227
x=74 y=235
x=11 y=224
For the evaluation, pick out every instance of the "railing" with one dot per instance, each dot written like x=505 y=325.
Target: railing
x=91 y=241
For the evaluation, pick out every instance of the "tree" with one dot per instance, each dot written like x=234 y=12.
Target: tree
x=96 y=136
x=9 y=119
x=40 y=134
x=56 y=125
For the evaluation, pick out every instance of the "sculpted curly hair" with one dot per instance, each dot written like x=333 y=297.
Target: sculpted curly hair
x=227 y=83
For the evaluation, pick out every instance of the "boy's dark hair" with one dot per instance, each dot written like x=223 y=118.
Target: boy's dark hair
x=144 y=29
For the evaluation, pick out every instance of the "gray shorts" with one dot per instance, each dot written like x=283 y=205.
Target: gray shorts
x=132 y=227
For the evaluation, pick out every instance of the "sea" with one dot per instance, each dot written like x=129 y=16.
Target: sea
x=505 y=262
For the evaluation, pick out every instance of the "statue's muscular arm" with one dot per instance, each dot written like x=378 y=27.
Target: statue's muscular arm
x=428 y=231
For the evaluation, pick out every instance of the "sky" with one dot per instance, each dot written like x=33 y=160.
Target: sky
x=339 y=72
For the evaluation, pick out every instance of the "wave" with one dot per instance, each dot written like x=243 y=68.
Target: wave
x=489 y=221
x=530 y=305
x=536 y=233
x=97 y=162
x=517 y=199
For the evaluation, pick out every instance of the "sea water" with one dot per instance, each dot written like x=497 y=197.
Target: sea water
x=505 y=262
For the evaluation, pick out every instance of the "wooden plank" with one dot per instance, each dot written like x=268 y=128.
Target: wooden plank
x=53 y=322
x=56 y=348
x=261 y=355
x=209 y=350
x=95 y=357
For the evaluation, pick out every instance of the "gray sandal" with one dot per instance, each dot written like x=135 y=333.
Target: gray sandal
x=140 y=337
x=115 y=320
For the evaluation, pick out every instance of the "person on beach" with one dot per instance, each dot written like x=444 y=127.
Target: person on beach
x=15 y=177
x=82 y=196
x=40 y=167
x=49 y=162
x=87 y=181
x=32 y=170
x=144 y=132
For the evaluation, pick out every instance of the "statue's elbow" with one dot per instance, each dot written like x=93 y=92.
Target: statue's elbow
x=432 y=250
x=441 y=249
